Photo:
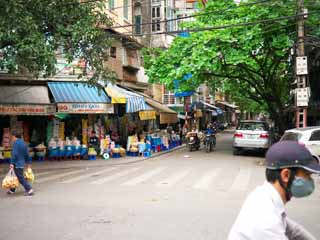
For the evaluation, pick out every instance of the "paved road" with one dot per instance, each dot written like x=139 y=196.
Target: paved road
x=180 y=195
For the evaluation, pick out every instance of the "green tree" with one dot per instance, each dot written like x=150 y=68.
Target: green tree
x=32 y=31
x=253 y=60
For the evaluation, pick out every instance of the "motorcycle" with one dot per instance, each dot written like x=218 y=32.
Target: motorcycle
x=193 y=141
x=210 y=142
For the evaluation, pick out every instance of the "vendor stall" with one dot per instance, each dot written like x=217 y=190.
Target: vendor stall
x=25 y=108
x=84 y=108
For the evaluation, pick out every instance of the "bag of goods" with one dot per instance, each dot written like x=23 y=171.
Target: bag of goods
x=116 y=150
x=52 y=143
x=134 y=149
x=7 y=154
x=10 y=181
x=122 y=152
x=28 y=175
x=41 y=148
x=92 y=152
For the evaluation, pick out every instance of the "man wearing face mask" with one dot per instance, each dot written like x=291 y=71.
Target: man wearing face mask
x=288 y=174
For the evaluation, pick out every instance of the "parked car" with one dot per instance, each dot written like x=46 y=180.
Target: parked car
x=308 y=137
x=251 y=135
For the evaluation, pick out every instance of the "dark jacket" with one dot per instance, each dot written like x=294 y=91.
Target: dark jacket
x=20 y=154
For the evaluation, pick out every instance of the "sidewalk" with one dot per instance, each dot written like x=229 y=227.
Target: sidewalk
x=47 y=165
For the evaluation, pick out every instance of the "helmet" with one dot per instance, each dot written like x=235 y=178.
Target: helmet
x=291 y=154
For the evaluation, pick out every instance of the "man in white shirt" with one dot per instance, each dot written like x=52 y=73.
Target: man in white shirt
x=263 y=216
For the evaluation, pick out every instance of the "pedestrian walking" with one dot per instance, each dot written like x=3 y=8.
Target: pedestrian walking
x=19 y=159
x=288 y=174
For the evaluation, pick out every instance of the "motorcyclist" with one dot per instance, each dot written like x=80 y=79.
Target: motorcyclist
x=288 y=174
x=210 y=129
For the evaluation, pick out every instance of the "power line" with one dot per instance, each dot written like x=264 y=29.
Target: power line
x=225 y=26
x=195 y=15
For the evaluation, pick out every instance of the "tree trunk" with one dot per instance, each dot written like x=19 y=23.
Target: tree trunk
x=278 y=117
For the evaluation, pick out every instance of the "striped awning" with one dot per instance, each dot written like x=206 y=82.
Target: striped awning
x=134 y=102
x=77 y=92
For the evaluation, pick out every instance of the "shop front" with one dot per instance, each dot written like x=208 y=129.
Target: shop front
x=81 y=110
x=25 y=108
x=231 y=115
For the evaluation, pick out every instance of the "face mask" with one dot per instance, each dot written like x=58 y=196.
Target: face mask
x=302 y=187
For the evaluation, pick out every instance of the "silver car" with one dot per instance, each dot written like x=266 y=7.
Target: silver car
x=253 y=135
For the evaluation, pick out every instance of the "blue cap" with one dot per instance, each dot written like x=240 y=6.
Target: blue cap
x=291 y=154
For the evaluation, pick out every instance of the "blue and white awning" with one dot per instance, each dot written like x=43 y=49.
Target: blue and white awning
x=134 y=102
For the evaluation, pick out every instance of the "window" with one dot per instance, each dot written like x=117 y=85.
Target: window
x=253 y=126
x=137 y=24
x=156 y=19
x=315 y=136
x=113 y=52
x=169 y=98
x=291 y=136
x=170 y=24
x=125 y=9
x=111 y=4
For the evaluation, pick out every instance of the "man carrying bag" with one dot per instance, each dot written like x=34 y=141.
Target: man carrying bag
x=20 y=156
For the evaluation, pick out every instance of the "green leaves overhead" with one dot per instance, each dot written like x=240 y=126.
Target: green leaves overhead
x=32 y=31
x=252 y=60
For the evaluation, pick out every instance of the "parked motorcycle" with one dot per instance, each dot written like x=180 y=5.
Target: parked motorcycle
x=193 y=141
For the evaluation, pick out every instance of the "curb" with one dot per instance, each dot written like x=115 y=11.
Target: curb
x=91 y=164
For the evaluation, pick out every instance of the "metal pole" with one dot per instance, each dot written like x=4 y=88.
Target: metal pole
x=301 y=113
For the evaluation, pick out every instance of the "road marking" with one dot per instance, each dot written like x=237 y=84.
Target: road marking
x=205 y=182
x=61 y=175
x=174 y=178
x=42 y=173
x=84 y=176
x=144 y=177
x=115 y=176
x=241 y=181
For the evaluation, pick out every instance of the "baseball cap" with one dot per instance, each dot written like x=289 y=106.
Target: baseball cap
x=291 y=154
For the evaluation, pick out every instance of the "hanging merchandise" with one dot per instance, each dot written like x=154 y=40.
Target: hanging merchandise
x=55 y=130
x=61 y=130
x=85 y=131
x=26 y=135
x=49 y=132
x=6 y=138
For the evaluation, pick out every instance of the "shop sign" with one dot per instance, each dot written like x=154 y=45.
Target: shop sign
x=166 y=118
x=85 y=108
x=26 y=109
x=147 y=115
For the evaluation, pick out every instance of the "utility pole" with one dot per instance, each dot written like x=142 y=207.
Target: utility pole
x=302 y=91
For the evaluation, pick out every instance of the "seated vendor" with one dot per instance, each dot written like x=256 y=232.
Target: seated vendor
x=115 y=136
x=94 y=141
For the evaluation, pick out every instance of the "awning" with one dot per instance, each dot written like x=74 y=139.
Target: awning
x=159 y=107
x=77 y=92
x=25 y=100
x=24 y=94
x=134 y=102
x=228 y=104
x=79 y=98
x=217 y=110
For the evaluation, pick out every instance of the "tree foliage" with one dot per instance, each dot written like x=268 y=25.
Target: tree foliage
x=31 y=32
x=253 y=62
